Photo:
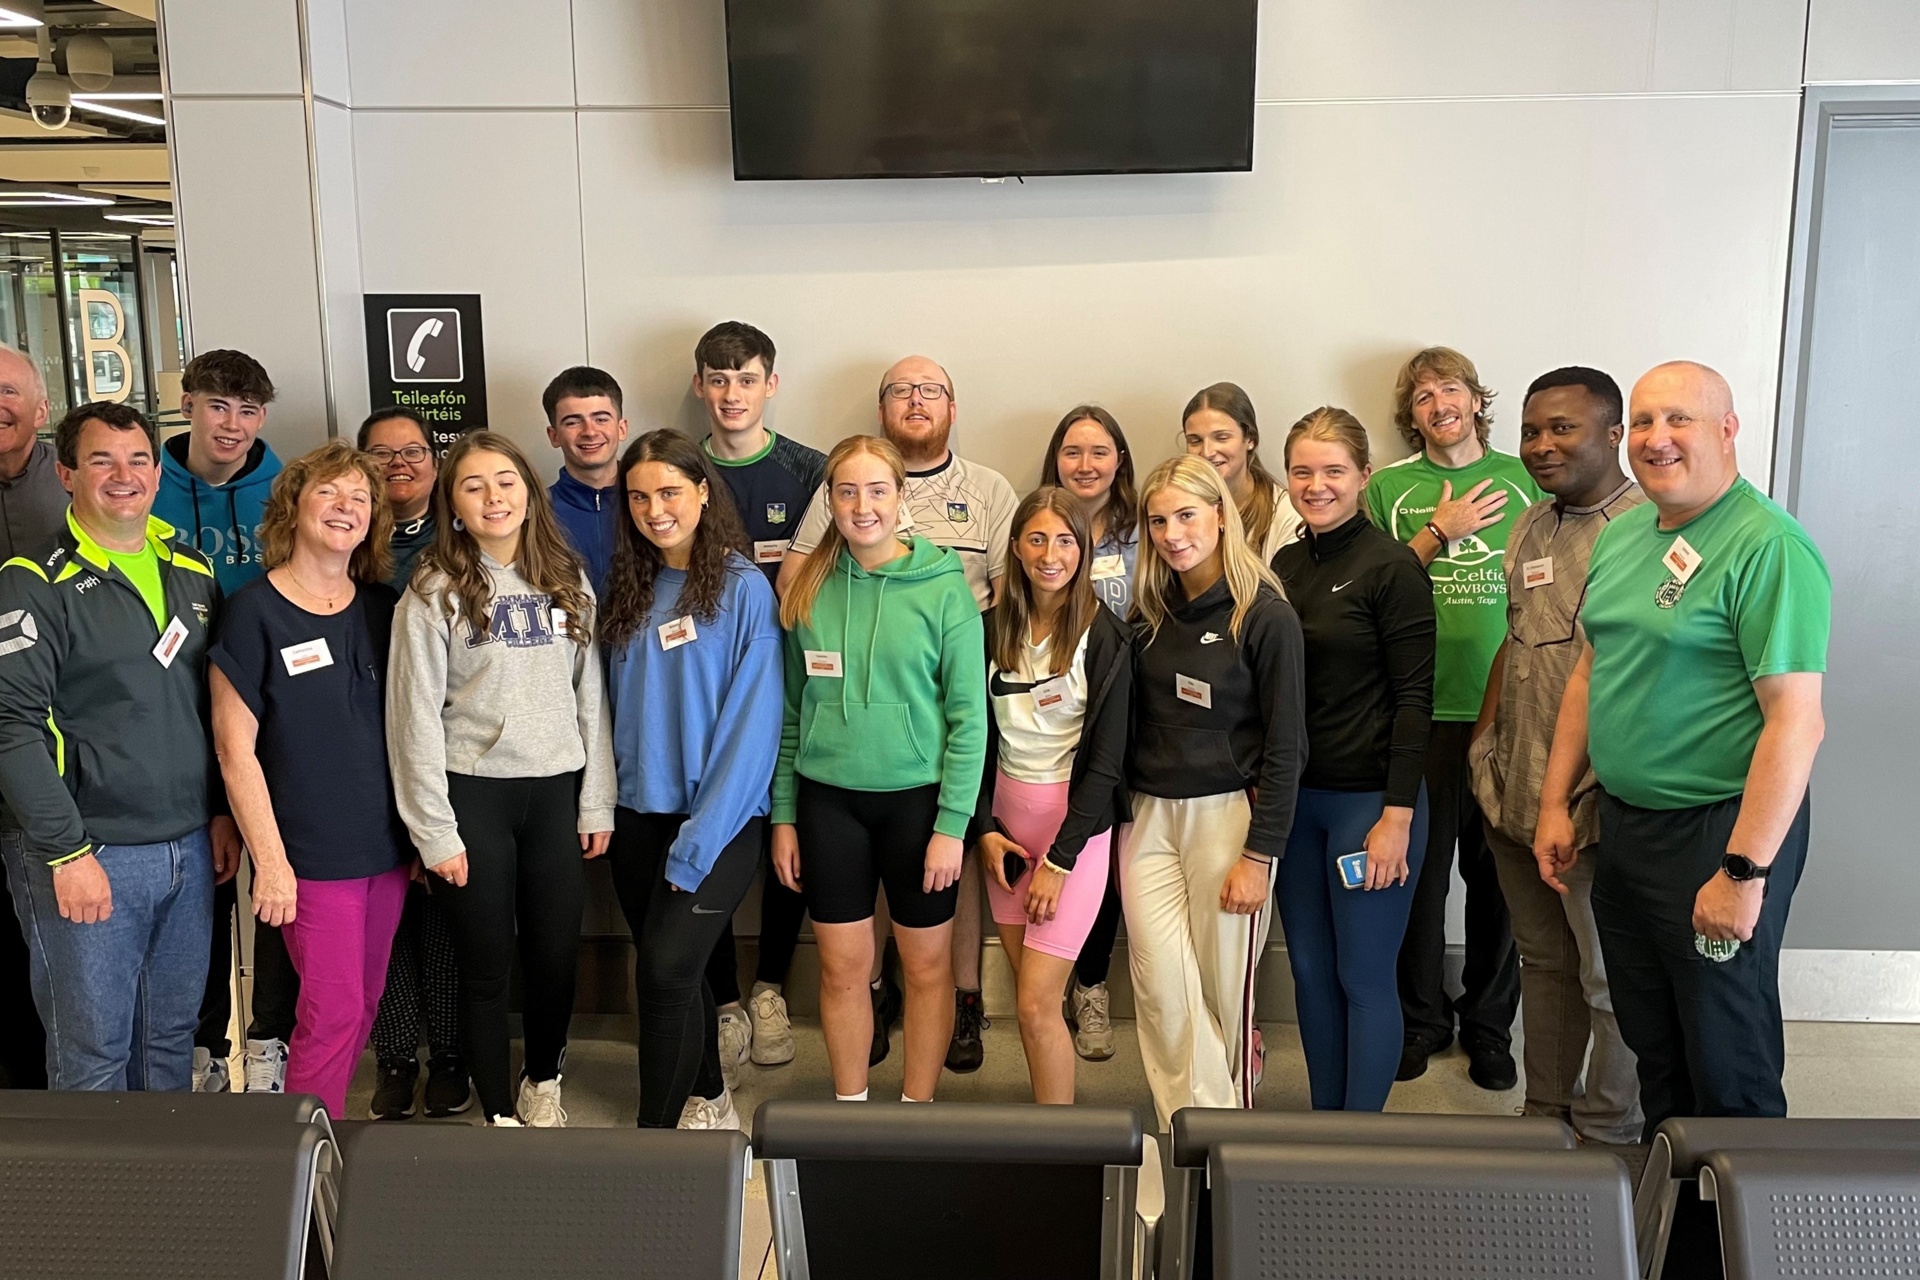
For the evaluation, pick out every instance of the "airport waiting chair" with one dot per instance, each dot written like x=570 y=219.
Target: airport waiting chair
x=1794 y=1213
x=948 y=1191
x=506 y=1204
x=1186 y=1229
x=158 y=1201
x=1676 y=1229
x=1304 y=1212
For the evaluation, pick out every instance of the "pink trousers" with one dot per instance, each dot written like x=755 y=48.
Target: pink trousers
x=339 y=940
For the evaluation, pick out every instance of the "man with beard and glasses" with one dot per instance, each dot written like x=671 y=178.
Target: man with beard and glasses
x=966 y=507
x=585 y=423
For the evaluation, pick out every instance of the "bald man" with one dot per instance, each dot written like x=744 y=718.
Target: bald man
x=967 y=507
x=1697 y=698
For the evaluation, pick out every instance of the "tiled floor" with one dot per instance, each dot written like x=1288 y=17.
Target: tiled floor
x=1833 y=1069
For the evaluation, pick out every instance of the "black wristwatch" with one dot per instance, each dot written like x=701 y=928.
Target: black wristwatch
x=1739 y=867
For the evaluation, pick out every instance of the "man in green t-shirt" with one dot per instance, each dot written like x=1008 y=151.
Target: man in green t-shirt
x=1455 y=502
x=1697 y=695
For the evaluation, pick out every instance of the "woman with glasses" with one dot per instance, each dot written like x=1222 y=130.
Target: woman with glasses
x=399 y=445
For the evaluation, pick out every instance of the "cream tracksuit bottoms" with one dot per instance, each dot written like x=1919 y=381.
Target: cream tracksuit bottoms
x=1193 y=965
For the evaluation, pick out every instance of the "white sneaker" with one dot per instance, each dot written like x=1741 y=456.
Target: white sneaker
x=504 y=1122
x=266 y=1066
x=710 y=1113
x=736 y=1044
x=210 y=1074
x=1092 y=1029
x=539 y=1105
x=772 y=1028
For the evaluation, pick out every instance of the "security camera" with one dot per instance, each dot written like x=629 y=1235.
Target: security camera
x=49 y=97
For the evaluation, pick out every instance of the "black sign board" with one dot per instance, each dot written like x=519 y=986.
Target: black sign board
x=425 y=355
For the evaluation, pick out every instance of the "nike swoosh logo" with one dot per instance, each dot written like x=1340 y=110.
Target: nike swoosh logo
x=1210 y=638
x=1343 y=586
x=702 y=911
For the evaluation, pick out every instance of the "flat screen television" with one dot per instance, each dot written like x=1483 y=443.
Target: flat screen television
x=989 y=88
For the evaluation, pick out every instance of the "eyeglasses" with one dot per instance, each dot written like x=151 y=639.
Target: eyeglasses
x=906 y=390
x=412 y=453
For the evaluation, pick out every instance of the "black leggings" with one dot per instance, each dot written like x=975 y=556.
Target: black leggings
x=276 y=986
x=1096 y=953
x=423 y=983
x=852 y=842
x=781 y=911
x=673 y=934
x=525 y=875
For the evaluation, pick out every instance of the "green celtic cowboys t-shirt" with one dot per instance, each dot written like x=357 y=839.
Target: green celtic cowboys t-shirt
x=1469 y=579
x=1672 y=719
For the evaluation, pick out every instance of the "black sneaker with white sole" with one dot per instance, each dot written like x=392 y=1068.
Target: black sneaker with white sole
x=393 y=1090
x=449 y=1090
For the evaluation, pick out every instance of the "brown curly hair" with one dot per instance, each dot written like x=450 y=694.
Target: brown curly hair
x=372 y=560
x=1439 y=362
x=637 y=562
x=545 y=559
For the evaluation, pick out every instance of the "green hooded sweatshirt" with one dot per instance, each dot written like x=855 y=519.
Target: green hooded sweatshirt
x=887 y=686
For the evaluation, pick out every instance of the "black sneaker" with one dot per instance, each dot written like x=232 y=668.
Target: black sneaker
x=393 y=1090
x=1490 y=1065
x=886 y=1012
x=449 y=1091
x=965 y=1053
x=1415 y=1052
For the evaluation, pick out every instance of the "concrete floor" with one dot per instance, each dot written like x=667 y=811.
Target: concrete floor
x=1833 y=1069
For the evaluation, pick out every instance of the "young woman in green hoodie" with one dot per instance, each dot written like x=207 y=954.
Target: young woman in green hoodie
x=880 y=759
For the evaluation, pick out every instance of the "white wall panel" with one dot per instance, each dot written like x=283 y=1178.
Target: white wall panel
x=248 y=249
x=1863 y=40
x=487 y=203
x=340 y=242
x=669 y=53
x=232 y=46
x=461 y=53
x=327 y=50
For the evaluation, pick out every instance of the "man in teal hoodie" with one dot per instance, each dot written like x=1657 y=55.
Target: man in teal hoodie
x=214 y=482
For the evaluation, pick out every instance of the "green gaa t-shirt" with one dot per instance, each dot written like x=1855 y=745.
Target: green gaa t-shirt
x=142 y=568
x=1469 y=576
x=1682 y=622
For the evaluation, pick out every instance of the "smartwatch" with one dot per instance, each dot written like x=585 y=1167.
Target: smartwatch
x=1739 y=867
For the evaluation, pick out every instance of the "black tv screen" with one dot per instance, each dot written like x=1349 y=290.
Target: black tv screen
x=986 y=88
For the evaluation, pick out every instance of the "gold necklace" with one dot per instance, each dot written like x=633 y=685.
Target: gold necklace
x=309 y=592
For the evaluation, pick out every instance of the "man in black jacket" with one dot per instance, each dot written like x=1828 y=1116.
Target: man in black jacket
x=109 y=832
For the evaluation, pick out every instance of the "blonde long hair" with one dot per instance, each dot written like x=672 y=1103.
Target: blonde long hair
x=796 y=606
x=1245 y=574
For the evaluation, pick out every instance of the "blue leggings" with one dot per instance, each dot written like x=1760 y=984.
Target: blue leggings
x=1343 y=945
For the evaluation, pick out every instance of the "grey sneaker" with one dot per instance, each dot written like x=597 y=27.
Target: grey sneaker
x=736 y=1044
x=710 y=1113
x=539 y=1104
x=266 y=1066
x=1092 y=1029
x=772 y=1028
x=210 y=1074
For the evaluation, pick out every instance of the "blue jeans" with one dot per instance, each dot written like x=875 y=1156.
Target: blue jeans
x=1343 y=945
x=120 y=999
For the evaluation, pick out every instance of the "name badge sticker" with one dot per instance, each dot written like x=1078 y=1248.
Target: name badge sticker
x=557 y=619
x=308 y=655
x=1050 y=697
x=1113 y=566
x=1188 y=689
x=823 y=662
x=678 y=632
x=1681 y=560
x=1537 y=573
x=170 y=641
x=771 y=552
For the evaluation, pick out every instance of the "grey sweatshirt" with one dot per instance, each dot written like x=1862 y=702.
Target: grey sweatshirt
x=521 y=701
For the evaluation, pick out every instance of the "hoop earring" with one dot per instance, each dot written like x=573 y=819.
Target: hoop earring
x=459 y=525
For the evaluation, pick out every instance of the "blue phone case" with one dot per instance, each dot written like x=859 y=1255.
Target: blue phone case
x=1353 y=869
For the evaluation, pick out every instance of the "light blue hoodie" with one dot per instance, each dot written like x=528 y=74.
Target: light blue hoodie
x=221 y=522
x=696 y=728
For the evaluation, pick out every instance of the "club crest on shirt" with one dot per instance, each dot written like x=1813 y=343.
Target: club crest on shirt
x=776 y=513
x=1669 y=593
x=200 y=612
x=957 y=512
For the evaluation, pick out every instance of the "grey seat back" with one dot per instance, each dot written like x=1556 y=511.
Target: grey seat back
x=155 y=1201
x=1795 y=1213
x=942 y=1191
x=505 y=1204
x=1299 y=1212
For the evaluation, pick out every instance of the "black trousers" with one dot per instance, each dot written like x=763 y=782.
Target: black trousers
x=526 y=888
x=781 y=911
x=1096 y=953
x=1490 y=994
x=23 y=1044
x=276 y=986
x=673 y=935
x=423 y=984
x=1707 y=1035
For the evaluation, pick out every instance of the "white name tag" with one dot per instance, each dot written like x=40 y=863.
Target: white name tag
x=1537 y=573
x=557 y=618
x=170 y=641
x=770 y=552
x=1681 y=560
x=822 y=662
x=1113 y=566
x=678 y=632
x=1050 y=696
x=1198 y=692
x=309 y=655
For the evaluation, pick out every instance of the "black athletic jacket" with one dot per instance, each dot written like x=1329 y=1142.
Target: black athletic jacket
x=1097 y=792
x=1253 y=736
x=1366 y=607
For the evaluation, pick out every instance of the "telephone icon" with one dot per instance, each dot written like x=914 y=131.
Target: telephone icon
x=429 y=328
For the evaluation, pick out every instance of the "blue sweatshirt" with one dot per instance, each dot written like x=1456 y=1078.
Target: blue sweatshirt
x=221 y=522
x=696 y=728
x=591 y=519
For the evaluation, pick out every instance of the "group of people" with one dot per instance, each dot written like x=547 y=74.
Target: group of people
x=421 y=691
